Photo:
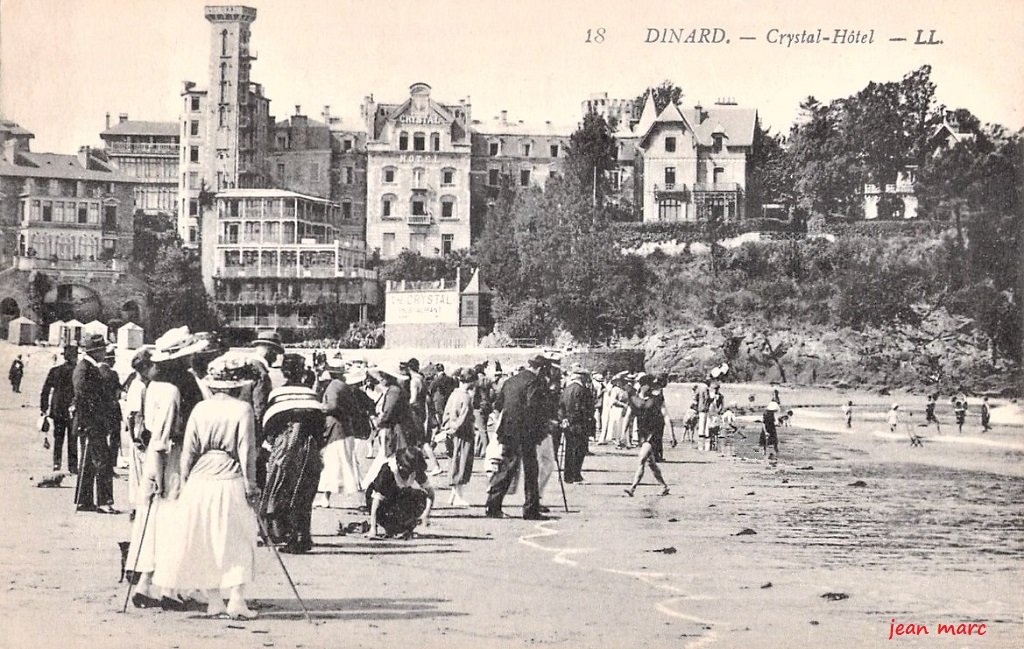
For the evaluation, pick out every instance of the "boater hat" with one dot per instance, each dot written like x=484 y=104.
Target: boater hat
x=355 y=375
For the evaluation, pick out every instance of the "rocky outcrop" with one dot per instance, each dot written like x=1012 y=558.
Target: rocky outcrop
x=939 y=354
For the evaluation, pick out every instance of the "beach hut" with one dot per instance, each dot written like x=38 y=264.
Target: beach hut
x=55 y=332
x=22 y=331
x=129 y=336
x=71 y=333
x=96 y=328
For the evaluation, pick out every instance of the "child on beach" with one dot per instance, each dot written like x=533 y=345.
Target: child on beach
x=769 y=434
x=848 y=413
x=894 y=417
x=929 y=412
x=960 y=410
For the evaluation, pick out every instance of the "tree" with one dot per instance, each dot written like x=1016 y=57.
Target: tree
x=664 y=94
x=591 y=155
x=772 y=179
x=152 y=233
x=868 y=137
x=177 y=295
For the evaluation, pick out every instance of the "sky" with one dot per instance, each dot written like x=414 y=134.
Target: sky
x=65 y=63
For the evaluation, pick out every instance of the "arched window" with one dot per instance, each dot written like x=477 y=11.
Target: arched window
x=388 y=206
x=419 y=178
x=419 y=142
x=403 y=141
x=435 y=141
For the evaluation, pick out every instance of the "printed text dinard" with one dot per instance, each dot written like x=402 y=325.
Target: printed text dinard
x=775 y=36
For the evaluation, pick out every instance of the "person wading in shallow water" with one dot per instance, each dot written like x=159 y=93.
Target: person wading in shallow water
x=649 y=409
x=769 y=434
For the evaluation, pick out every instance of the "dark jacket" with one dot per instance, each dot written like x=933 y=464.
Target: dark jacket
x=522 y=402
x=577 y=408
x=348 y=412
x=397 y=416
x=91 y=408
x=58 y=390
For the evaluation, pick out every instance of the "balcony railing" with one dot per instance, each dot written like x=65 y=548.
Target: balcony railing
x=70 y=265
x=314 y=272
x=716 y=187
x=419 y=219
x=671 y=189
x=143 y=148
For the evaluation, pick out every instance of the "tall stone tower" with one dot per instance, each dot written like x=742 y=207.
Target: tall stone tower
x=226 y=127
x=234 y=116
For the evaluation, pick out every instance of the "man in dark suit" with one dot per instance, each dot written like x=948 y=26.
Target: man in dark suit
x=91 y=424
x=577 y=408
x=522 y=427
x=56 y=398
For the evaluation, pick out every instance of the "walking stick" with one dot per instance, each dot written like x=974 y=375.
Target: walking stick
x=138 y=552
x=273 y=548
x=82 y=459
x=558 y=467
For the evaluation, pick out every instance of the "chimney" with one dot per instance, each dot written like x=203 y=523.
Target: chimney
x=298 y=109
x=83 y=156
x=327 y=114
x=122 y=118
x=504 y=116
x=698 y=113
x=108 y=121
x=10 y=150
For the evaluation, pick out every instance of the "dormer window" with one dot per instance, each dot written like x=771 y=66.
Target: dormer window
x=718 y=137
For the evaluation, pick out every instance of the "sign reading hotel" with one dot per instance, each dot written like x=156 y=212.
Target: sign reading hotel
x=422 y=307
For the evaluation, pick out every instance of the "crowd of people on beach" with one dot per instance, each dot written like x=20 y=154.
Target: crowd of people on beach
x=219 y=458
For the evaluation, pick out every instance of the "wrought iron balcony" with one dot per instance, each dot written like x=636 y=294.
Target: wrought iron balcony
x=716 y=187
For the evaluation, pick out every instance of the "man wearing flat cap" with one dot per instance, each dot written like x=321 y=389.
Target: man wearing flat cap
x=521 y=401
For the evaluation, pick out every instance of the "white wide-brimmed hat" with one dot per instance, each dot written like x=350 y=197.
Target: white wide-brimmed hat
x=178 y=343
x=393 y=370
x=355 y=375
x=773 y=406
x=294 y=400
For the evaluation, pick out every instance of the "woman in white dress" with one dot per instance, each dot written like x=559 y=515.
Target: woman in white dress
x=217 y=525
x=169 y=397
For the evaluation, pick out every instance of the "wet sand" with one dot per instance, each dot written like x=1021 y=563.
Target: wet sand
x=935 y=534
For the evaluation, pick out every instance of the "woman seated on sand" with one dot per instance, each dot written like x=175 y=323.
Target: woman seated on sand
x=400 y=495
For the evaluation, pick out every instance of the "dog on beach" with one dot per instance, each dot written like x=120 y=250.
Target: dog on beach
x=51 y=480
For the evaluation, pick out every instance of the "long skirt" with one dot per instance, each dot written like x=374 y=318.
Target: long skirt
x=341 y=468
x=136 y=460
x=215 y=541
x=460 y=469
x=293 y=472
x=401 y=514
x=546 y=462
x=160 y=528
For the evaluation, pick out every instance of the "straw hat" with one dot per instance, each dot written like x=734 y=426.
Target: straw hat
x=335 y=367
x=177 y=343
x=772 y=406
x=355 y=375
x=396 y=371
x=294 y=400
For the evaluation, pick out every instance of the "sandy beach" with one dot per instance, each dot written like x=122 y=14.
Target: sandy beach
x=851 y=530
